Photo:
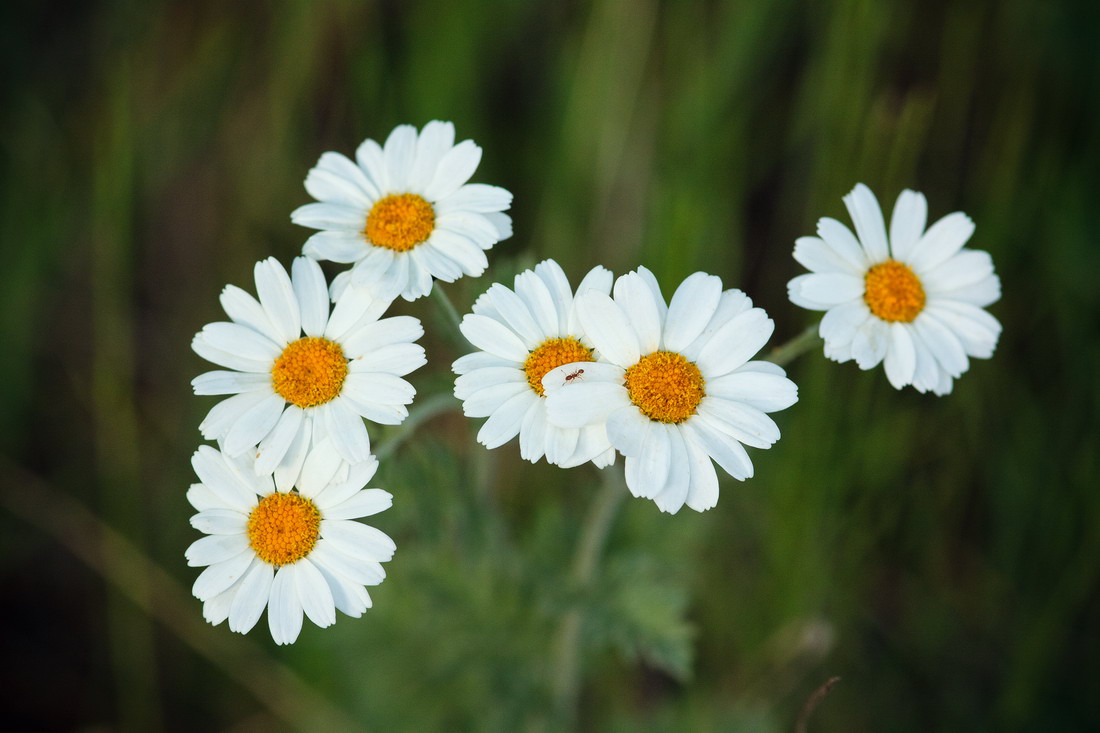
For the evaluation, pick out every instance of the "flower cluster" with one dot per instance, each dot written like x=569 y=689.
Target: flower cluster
x=579 y=375
x=307 y=362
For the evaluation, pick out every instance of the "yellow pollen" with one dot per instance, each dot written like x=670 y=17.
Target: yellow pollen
x=283 y=528
x=665 y=386
x=400 y=222
x=893 y=292
x=309 y=372
x=551 y=354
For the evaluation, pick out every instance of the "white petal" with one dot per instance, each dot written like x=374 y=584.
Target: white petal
x=400 y=154
x=273 y=448
x=288 y=470
x=501 y=221
x=398 y=359
x=578 y=405
x=505 y=422
x=217 y=547
x=494 y=337
x=634 y=296
x=944 y=345
x=372 y=162
x=976 y=330
x=455 y=168
x=277 y=297
x=219 y=576
x=377 y=334
x=432 y=144
x=336 y=179
x=647 y=472
x=515 y=313
x=255 y=352
x=599 y=279
x=358 y=540
x=907 y=224
x=968 y=267
x=703 y=489
x=372 y=266
x=534 y=293
x=314 y=593
x=748 y=424
x=284 y=611
x=468 y=256
x=673 y=494
x=901 y=358
x=220 y=521
x=222 y=383
x=627 y=429
x=479 y=379
x=732 y=303
x=383 y=389
x=982 y=293
x=843 y=242
x=311 y=293
x=693 y=304
x=831 y=288
x=557 y=285
x=943 y=239
x=242 y=308
x=475 y=197
x=428 y=257
x=608 y=328
x=475 y=227
x=735 y=343
x=231 y=485
x=321 y=465
x=365 y=503
x=354 y=568
x=817 y=256
x=726 y=451
x=480 y=360
x=251 y=599
x=347 y=431
x=485 y=402
x=765 y=392
x=340 y=217
x=533 y=431
x=840 y=323
x=870 y=227
x=870 y=343
x=254 y=425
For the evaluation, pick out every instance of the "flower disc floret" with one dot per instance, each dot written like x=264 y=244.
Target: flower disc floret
x=665 y=386
x=551 y=354
x=310 y=372
x=283 y=528
x=893 y=292
x=400 y=222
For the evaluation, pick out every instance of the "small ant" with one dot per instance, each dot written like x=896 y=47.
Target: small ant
x=570 y=377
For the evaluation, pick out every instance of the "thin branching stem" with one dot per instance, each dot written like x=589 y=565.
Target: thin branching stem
x=597 y=525
x=784 y=354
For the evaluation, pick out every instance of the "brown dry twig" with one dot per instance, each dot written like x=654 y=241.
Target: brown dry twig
x=812 y=702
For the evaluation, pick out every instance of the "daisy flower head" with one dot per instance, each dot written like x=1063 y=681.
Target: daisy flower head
x=913 y=300
x=298 y=372
x=522 y=334
x=403 y=213
x=289 y=552
x=674 y=387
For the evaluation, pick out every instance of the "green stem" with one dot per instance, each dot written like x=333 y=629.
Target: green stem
x=796 y=347
x=423 y=412
x=448 y=308
x=586 y=559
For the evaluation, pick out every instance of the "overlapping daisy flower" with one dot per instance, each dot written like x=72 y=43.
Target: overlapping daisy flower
x=404 y=213
x=913 y=301
x=523 y=334
x=674 y=386
x=289 y=552
x=299 y=373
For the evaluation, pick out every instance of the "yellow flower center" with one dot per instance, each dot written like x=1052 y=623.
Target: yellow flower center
x=551 y=354
x=665 y=386
x=400 y=222
x=893 y=292
x=283 y=528
x=309 y=372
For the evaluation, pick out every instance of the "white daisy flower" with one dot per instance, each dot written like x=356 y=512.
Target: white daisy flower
x=523 y=334
x=913 y=301
x=403 y=213
x=299 y=371
x=289 y=551
x=674 y=386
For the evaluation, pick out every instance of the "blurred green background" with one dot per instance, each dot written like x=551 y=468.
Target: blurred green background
x=942 y=556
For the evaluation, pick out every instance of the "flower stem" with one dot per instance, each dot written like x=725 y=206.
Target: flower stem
x=449 y=311
x=593 y=537
x=796 y=347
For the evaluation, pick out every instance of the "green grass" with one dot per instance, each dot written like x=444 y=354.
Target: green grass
x=941 y=555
